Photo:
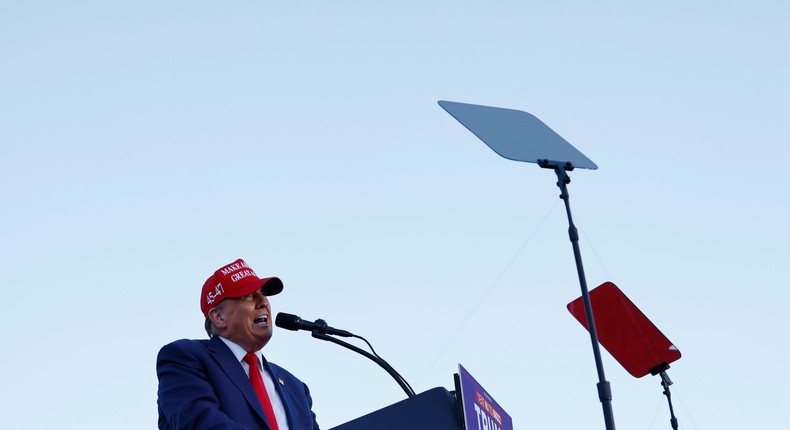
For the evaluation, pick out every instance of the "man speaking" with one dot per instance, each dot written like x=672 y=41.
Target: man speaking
x=225 y=382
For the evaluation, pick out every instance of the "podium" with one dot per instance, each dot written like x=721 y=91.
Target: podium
x=435 y=409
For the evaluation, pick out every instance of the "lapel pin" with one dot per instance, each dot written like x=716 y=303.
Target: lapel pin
x=281 y=381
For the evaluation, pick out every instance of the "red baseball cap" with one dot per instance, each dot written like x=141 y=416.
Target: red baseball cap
x=235 y=280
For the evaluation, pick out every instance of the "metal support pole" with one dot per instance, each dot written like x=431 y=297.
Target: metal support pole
x=666 y=382
x=604 y=388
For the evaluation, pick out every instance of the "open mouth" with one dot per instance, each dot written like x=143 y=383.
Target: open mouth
x=261 y=320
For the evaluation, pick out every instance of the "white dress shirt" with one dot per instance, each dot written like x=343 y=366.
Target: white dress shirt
x=268 y=382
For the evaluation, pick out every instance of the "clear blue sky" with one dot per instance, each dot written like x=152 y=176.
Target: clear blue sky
x=147 y=143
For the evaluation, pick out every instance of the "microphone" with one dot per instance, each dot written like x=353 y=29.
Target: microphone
x=293 y=322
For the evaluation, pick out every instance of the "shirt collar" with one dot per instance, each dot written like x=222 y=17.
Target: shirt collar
x=238 y=351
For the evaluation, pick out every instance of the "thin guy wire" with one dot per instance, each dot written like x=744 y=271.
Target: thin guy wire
x=484 y=296
x=658 y=409
x=677 y=395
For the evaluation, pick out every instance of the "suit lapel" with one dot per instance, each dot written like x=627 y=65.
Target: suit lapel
x=232 y=367
x=280 y=388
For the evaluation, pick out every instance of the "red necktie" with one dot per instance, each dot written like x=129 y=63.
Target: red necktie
x=260 y=389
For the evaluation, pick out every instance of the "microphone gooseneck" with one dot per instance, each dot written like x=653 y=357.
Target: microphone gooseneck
x=321 y=330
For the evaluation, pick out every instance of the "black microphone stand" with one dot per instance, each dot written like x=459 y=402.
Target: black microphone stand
x=604 y=389
x=376 y=359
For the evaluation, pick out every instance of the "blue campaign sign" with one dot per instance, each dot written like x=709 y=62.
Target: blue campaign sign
x=481 y=412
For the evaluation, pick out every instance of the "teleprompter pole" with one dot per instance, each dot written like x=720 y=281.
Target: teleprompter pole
x=661 y=370
x=604 y=388
x=666 y=382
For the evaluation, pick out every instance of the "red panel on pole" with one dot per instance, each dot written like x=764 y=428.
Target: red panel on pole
x=625 y=331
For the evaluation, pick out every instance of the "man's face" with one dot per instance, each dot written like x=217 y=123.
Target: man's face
x=246 y=320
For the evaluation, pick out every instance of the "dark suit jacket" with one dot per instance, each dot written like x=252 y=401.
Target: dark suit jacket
x=203 y=387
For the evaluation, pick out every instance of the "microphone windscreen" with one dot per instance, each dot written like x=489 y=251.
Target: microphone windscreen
x=287 y=321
